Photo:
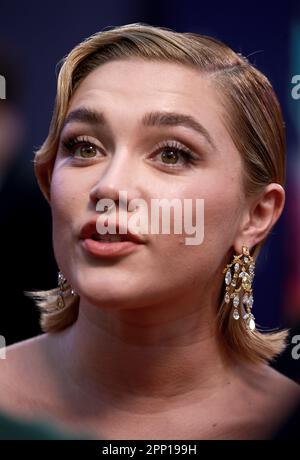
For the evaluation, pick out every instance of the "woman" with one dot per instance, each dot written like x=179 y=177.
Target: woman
x=154 y=338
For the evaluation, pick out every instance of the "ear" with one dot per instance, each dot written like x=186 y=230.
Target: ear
x=260 y=215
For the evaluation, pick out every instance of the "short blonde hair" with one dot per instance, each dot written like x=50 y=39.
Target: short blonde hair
x=253 y=119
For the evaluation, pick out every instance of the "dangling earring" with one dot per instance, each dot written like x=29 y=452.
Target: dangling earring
x=64 y=287
x=239 y=286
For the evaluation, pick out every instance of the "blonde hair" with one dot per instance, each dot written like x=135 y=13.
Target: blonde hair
x=253 y=119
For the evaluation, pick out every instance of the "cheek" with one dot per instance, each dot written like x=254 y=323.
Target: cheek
x=219 y=197
x=67 y=207
x=68 y=195
x=63 y=198
x=222 y=202
x=222 y=210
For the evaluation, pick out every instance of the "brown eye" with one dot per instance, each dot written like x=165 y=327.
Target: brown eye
x=171 y=156
x=85 y=151
x=175 y=155
x=81 y=148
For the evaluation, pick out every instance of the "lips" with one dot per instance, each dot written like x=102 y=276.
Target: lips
x=108 y=246
x=89 y=231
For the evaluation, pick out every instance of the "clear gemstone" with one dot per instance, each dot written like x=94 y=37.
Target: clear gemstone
x=227 y=297
x=251 y=268
x=236 y=267
x=242 y=274
x=236 y=301
x=251 y=324
x=236 y=315
x=228 y=277
x=246 y=315
x=246 y=260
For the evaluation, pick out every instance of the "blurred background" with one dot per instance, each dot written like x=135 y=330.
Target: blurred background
x=34 y=36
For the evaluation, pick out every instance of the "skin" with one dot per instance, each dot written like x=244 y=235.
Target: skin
x=142 y=360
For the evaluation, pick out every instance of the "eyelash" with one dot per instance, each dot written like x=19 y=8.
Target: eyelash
x=188 y=157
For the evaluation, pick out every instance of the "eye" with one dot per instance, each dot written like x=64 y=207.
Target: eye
x=81 y=147
x=174 y=154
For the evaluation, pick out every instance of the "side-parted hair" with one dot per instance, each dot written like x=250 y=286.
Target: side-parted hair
x=252 y=117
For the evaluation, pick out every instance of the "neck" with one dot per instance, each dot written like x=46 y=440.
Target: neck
x=156 y=354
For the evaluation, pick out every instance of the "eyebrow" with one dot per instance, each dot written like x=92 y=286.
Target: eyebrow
x=93 y=117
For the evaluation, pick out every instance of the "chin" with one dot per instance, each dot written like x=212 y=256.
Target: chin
x=107 y=293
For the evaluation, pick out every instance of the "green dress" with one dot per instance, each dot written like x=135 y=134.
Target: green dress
x=12 y=428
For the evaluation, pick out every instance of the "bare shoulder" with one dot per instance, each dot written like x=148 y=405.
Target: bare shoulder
x=269 y=398
x=21 y=371
x=271 y=389
x=16 y=355
x=278 y=383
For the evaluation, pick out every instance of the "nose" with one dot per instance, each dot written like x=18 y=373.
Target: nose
x=119 y=175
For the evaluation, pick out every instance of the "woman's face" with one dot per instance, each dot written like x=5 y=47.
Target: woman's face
x=118 y=151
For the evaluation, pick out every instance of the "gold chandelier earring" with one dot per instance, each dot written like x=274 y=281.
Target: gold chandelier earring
x=63 y=289
x=239 y=276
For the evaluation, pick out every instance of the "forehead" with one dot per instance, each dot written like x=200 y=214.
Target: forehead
x=158 y=84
